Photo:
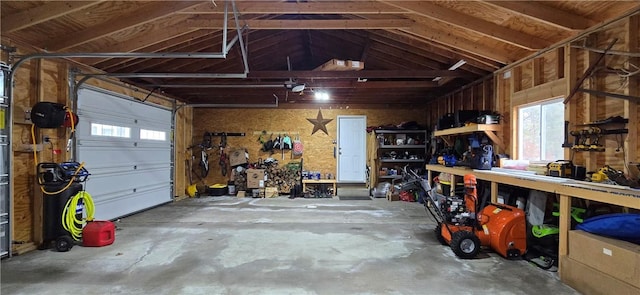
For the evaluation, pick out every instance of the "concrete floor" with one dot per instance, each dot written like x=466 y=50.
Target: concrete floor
x=226 y=245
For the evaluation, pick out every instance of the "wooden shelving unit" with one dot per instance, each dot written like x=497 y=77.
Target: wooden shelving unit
x=419 y=149
x=488 y=129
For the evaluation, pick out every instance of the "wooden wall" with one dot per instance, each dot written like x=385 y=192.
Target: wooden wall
x=47 y=80
x=318 y=148
x=478 y=95
x=555 y=72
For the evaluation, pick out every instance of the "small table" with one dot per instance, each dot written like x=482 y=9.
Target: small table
x=320 y=181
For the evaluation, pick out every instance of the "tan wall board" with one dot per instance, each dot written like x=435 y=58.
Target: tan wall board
x=318 y=148
x=550 y=67
x=539 y=93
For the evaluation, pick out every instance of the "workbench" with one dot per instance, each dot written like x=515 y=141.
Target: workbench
x=566 y=188
x=332 y=182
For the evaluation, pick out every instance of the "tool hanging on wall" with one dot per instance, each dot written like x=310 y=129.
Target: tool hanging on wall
x=224 y=160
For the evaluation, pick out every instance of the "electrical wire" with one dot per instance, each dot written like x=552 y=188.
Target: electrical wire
x=73 y=222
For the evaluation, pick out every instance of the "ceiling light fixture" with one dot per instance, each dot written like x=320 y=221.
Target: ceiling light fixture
x=298 y=88
x=457 y=65
x=321 y=95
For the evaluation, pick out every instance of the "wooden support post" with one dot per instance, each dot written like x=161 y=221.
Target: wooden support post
x=537 y=71
x=632 y=89
x=569 y=69
x=591 y=102
x=564 y=226
x=560 y=66
x=494 y=192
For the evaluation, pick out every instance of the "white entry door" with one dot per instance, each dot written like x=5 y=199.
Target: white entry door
x=126 y=146
x=352 y=149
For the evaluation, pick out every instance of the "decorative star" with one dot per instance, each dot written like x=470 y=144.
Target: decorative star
x=319 y=123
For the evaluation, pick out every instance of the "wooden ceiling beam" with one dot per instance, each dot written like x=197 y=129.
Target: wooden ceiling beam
x=384 y=74
x=450 y=39
x=263 y=7
x=199 y=45
x=428 y=43
x=549 y=15
x=307 y=24
x=325 y=84
x=147 y=38
x=42 y=13
x=351 y=84
x=471 y=23
x=145 y=14
x=262 y=52
x=180 y=38
x=443 y=50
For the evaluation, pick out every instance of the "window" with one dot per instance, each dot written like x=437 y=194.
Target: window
x=153 y=135
x=110 y=130
x=541 y=131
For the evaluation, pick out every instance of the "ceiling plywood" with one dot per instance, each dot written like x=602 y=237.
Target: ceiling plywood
x=396 y=39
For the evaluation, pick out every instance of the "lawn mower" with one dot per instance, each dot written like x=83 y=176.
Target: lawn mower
x=466 y=227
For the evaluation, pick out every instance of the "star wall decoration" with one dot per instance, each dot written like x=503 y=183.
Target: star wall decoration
x=319 y=123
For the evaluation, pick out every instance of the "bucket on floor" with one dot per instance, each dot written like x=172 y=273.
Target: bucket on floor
x=231 y=188
x=98 y=234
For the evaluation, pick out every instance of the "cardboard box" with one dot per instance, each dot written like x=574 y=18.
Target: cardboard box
x=341 y=65
x=237 y=157
x=619 y=259
x=590 y=281
x=392 y=196
x=241 y=194
x=355 y=65
x=333 y=65
x=255 y=178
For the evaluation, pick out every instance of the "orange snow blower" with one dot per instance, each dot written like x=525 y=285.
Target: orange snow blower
x=465 y=227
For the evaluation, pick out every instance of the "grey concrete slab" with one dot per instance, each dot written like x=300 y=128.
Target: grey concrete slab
x=226 y=245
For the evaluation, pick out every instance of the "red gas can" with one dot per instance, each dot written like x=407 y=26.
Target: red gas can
x=98 y=234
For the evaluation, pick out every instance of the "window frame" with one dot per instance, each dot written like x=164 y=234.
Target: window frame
x=518 y=151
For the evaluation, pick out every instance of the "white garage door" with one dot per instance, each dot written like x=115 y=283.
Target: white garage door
x=126 y=147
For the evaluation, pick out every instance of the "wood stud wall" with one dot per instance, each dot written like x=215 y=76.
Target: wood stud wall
x=555 y=72
x=47 y=80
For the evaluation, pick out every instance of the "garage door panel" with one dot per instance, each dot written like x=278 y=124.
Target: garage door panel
x=128 y=174
x=124 y=161
x=112 y=171
x=120 y=120
x=125 y=204
x=105 y=117
x=128 y=181
x=114 y=151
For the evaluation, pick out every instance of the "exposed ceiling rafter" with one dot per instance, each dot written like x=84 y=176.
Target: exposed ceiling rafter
x=43 y=13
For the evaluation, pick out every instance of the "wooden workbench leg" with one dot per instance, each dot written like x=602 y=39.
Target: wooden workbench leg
x=564 y=227
x=335 y=189
x=494 y=192
x=429 y=177
x=452 y=189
